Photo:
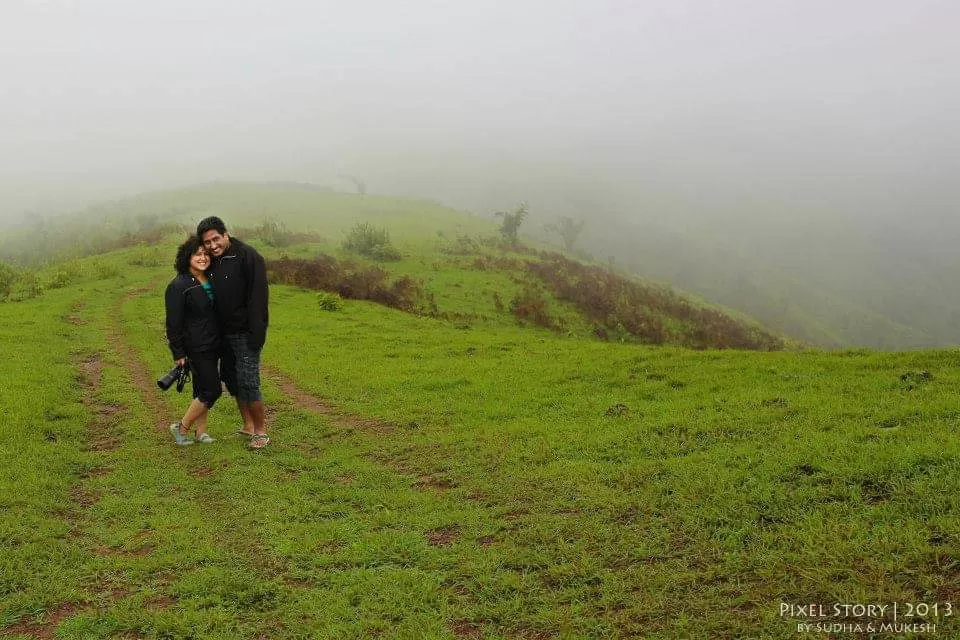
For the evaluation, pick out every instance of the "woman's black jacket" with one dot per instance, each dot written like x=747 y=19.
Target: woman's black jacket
x=191 y=319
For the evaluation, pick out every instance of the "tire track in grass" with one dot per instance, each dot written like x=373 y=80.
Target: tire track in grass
x=222 y=508
x=266 y=563
x=138 y=370
x=436 y=537
x=504 y=513
x=350 y=423
x=333 y=415
x=102 y=437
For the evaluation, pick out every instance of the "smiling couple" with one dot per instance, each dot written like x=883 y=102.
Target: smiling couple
x=216 y=325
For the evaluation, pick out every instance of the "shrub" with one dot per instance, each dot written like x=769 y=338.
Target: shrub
x=621 y=307
x=105 y=270
x=530 y=304
x=26 y=287
x=353 y=281
x=59 y=280
x=373 y=242
x=16 y=285
x=329 y=301
x=463 y=246
x=67 y=274
x=275 y=233
x=8 y=276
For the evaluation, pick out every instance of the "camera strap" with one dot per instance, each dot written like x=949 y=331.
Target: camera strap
x=183 y=377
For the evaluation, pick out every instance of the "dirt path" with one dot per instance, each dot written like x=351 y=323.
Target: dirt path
x=102 y=436
x=140 y=374
x=334 y=415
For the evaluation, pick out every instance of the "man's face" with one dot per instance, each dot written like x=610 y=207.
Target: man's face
x=216 y=243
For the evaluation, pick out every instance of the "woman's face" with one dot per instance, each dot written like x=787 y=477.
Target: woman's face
x=200 y=260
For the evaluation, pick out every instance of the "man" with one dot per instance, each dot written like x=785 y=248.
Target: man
x=239 y=277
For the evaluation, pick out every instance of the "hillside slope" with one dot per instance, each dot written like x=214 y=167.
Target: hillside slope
x=433 y=477
x=437 y=247
x=885 y=290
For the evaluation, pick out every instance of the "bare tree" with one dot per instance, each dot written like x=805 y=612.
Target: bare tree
x=359 y=184
x=567 y=229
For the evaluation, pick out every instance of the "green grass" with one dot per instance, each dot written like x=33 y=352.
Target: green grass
x=476 y=479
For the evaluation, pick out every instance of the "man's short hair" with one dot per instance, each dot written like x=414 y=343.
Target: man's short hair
x=184 y=252
x=211 y=223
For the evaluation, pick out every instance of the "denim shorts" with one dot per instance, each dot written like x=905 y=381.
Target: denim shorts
x=240 y=367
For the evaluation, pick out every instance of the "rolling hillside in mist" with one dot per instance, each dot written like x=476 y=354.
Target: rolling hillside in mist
x=455 y=453
x=891 y=290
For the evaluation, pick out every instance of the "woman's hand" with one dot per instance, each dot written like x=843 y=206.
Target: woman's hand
x=181 y=362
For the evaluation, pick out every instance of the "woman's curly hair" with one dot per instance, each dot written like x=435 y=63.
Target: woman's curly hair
x=185 y=252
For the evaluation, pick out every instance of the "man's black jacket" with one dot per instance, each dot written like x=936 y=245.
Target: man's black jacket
x=191 y=319
x=239 y=280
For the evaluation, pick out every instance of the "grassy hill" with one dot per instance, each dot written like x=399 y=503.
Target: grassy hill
x=840 y=288
x=457 y=475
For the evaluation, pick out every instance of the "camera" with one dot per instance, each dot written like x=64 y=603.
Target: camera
x=179 y=374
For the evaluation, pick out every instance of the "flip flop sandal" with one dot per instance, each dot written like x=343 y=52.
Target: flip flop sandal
x=205 y=438
x=243 y=434
x=259 y=441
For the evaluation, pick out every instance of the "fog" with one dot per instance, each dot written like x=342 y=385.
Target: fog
x=758 y=124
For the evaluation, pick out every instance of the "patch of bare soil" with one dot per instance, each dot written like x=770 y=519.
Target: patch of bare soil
x=465 y=629
x=43 y=627
x=443 y=536
x=140 y=552
x=159 y=602
x=82 y=499
x=433 y=483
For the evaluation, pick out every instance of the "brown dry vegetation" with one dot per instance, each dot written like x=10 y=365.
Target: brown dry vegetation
x=354 y=281
x=653 y=315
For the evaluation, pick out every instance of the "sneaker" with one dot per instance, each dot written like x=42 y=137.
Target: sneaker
x=204 y=438
x=181 y=439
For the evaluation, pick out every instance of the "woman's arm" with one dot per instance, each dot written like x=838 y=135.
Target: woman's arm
x=174 y=302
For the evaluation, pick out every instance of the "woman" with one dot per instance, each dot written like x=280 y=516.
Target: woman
x=194 y=337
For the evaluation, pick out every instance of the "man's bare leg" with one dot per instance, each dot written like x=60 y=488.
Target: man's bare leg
x=259 y=413
x=249 y=426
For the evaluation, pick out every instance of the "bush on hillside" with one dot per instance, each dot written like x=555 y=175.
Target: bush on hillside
x=16 y=285
x=373 y=242
x=275 y=233
x=531 y=305
x=24 y=288
x=620 y=305
x=66 y=274
x=353 y=281
x=8 y=276
x=329 y=301
x=463 y=246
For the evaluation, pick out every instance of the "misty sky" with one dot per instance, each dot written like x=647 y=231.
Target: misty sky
x=734 y=110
